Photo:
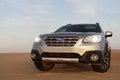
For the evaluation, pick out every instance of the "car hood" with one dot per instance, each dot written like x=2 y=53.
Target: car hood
x=79 y=34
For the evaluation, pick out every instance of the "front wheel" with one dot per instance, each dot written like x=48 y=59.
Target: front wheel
x=43 y=66
x=105 y=64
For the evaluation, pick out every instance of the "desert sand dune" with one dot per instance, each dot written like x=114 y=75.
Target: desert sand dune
x=15 y=66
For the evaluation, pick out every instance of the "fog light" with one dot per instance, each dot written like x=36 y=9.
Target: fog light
x=33 y=56
x=94 y=57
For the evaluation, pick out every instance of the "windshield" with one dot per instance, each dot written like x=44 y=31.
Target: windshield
x=79 y=28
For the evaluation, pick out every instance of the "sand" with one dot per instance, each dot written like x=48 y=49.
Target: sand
x=15 y=66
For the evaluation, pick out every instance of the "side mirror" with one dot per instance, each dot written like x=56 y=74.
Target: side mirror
x=108 y=34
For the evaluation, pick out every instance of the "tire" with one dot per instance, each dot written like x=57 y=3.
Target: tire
x=105 y=64
x=43 y=66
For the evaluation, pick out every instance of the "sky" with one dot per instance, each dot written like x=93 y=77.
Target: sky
x=22 y=20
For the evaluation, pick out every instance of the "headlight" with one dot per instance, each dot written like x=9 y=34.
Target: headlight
x=93 y=38
x=37 y=39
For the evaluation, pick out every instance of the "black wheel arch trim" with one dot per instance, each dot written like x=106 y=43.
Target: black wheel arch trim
x=38 y=56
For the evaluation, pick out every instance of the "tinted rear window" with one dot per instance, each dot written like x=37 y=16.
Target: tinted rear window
x=79 y=28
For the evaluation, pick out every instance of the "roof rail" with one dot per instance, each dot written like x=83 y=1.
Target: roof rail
x=97 y=23
x=69 y=24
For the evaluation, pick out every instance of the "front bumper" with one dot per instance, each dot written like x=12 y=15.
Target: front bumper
x=67 y=57
x=79 y=48
x=80 y=52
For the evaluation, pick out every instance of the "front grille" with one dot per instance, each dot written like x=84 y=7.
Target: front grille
x=61 y=55
x=61 y=40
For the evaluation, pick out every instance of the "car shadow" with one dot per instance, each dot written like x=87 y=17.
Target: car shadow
x=59 y=68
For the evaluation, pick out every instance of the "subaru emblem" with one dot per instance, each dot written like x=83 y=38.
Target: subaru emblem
x=60 y=39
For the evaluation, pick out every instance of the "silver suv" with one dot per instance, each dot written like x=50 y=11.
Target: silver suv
x=73 y=43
